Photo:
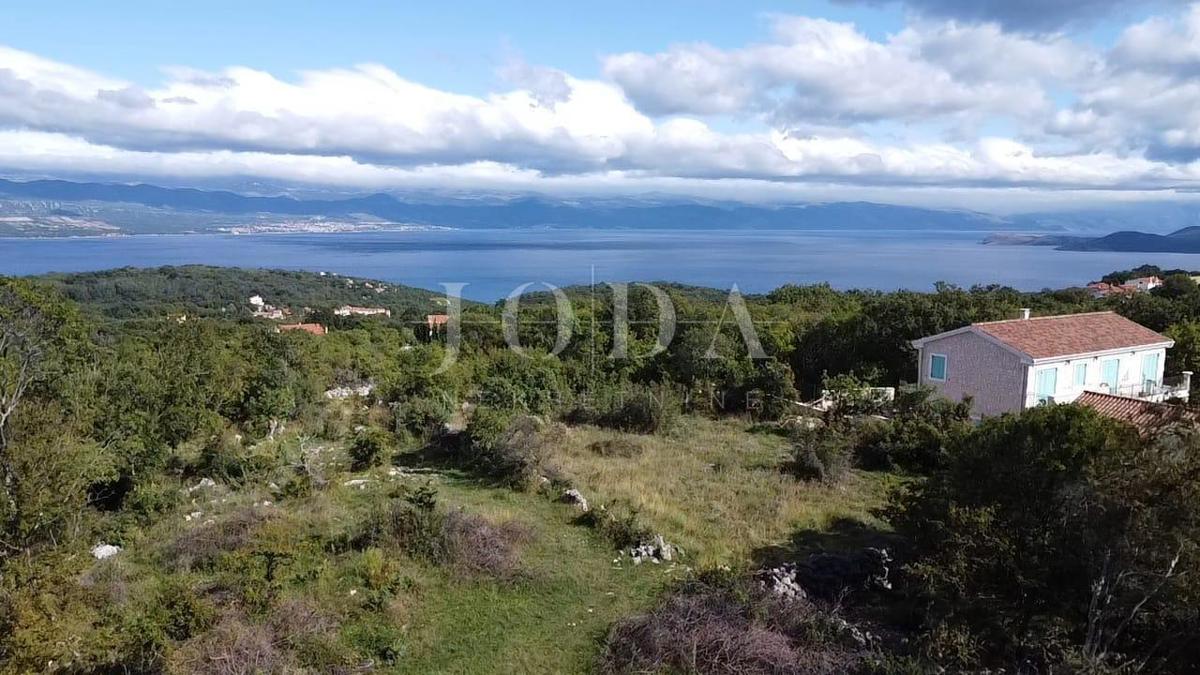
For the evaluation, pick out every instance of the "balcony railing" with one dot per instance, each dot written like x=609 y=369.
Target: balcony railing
x=1170 y=387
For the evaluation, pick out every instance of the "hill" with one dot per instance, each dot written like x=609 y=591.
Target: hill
x=222 y=291
x=55 y=207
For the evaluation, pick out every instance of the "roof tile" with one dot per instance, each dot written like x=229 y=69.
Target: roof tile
x=1065 y=335
x=1145 y=416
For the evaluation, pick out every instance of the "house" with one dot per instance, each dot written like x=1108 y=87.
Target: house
x=257 y=301
x=269 y=312
x=1101 y=289
x=351 y=310
x=435 y=321
x=1005 y=366
x=314 y=328
x=1143 y=284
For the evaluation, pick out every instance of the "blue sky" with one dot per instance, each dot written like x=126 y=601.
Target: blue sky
x=921 y=101
x=452 y=45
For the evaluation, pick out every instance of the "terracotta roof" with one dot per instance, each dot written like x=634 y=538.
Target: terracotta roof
x=1145 y=416
x=1049 y=336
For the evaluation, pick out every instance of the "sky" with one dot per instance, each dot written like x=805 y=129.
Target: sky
x=997 y=105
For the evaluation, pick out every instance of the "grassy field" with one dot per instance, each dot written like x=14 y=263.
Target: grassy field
x=719 y=490
x=270 y=576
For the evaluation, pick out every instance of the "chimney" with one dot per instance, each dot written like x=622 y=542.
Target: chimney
x=1025 y=313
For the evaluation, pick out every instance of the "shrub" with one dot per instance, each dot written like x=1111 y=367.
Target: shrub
x=617 y=522
x=199 y=546
x=228 y=459
x=520 y=453
x=821 y=454
x=485 y=428
x=425 y=416
x=645 y=409
x=369 y=448
x=729 y=628
x=635 y=408
x=474 y=546
x=917 y=438
x=776 y=386
x=235 y=646
x=1057 y=533
x=465 y=543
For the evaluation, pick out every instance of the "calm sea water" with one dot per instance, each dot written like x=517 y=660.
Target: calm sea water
x=494 y=262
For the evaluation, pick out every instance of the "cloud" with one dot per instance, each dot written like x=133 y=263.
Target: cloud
x=819 y=71
x=551 y=120
x=937 y=105
x=1023 y=15
x=1146 y=96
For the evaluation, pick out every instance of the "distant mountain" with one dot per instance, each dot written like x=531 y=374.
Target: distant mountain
x=149 y=208
x=1185 y=240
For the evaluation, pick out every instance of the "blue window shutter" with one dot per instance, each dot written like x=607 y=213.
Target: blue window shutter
x=937 y=367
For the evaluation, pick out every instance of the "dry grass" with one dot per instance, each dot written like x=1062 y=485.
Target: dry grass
x=714 y=489
x=199 y=545
x=474 y=546
x=235 y=647
x=706 y=629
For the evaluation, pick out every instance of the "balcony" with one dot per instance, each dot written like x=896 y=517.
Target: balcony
x=1175 y=387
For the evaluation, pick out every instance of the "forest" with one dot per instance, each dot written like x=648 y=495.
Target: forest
x=188 y=489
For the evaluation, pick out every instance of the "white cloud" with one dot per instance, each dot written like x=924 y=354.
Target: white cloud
x=816 y=71
x=937 y=105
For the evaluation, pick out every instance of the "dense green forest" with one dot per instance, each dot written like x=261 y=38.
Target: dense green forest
x=196 y=495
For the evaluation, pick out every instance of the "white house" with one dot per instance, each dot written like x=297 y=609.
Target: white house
x=1143 y=284
x=351 y=310
x=1005 y=366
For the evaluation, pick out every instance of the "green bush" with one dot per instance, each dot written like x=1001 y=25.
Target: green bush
x=625 y=406
x=227 y=458
x=425 y=416
x=1055 y=536
x=618 y=522
x=821 y=454
x=917 y=438
x=370 y=447
x=485 y=428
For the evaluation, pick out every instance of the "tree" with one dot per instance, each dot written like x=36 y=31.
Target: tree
x=1185 y=355
x=1178 y=285
x=34 y=331
x=1059 y=537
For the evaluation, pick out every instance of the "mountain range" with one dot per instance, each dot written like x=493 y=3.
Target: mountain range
x=1184 y=240
x=65 y=208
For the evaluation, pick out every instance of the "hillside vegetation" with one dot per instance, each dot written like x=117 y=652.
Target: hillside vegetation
x=210 y=495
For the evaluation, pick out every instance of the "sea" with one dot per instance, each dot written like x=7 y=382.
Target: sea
x=495 y=263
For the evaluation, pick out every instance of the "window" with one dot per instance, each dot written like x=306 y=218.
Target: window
x=937 y=367
x=1110 y=371
x=1080 y=374
x=1150 y=372
x=1047 y=383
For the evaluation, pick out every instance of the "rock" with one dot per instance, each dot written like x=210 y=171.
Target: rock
x=359 y=483
x=781 y=582
x=656 y=551
x=339 y=393
x=203 y=484
x=192 y=516
x=852 y=635
x=105 y=551
x=576 y=497
x=665 y=551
